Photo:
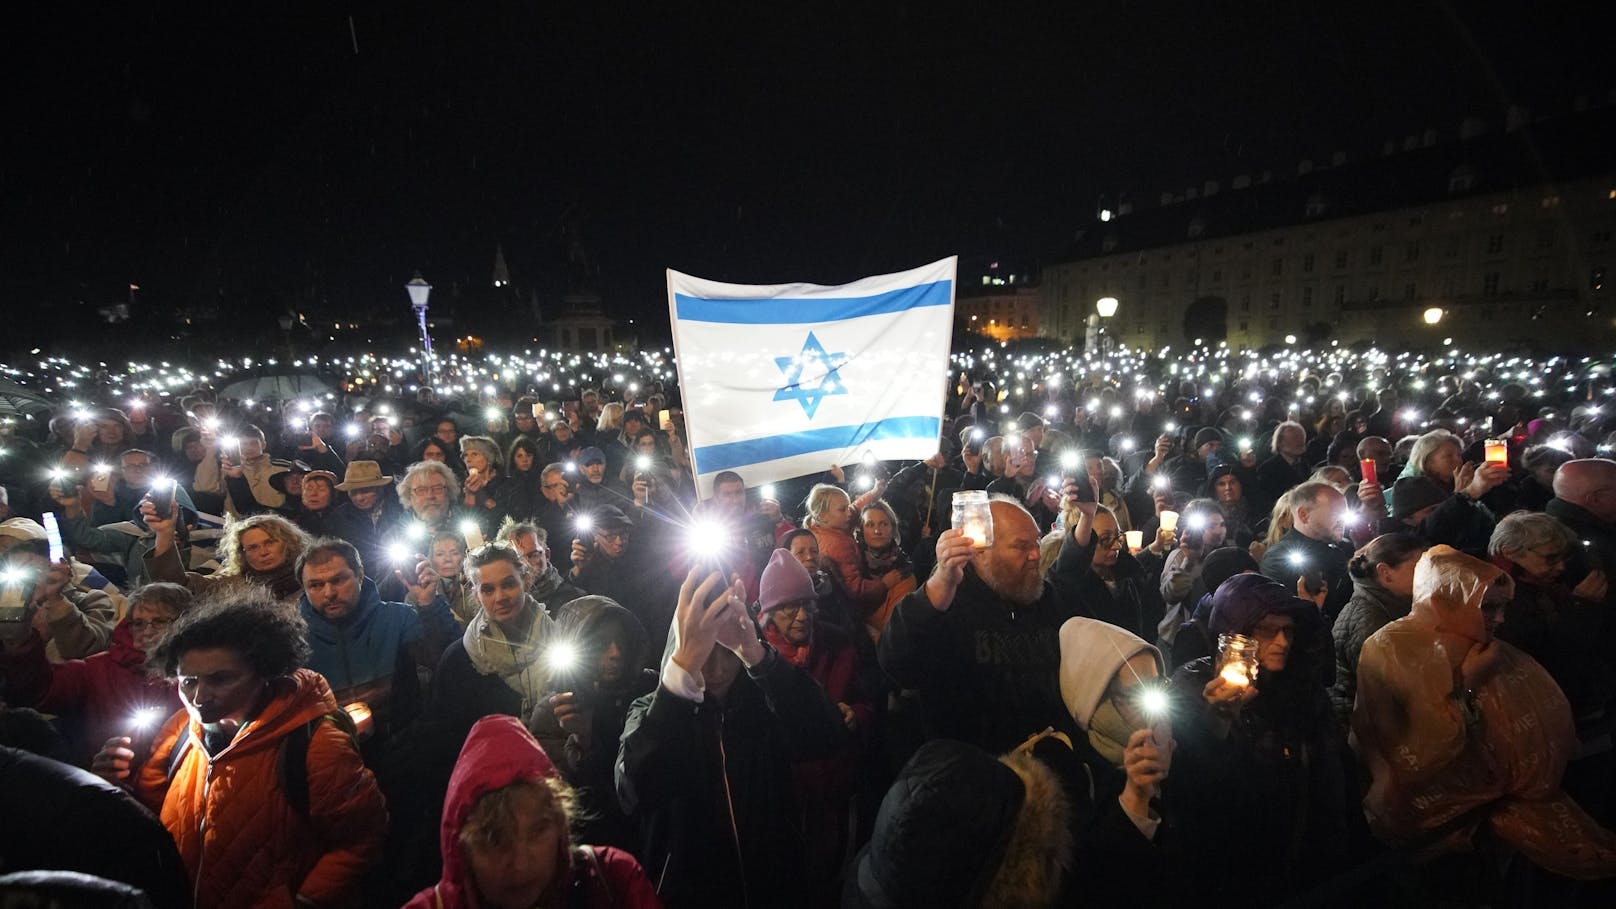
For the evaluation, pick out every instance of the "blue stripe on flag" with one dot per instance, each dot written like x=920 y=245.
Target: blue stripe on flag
x=713 y=458
x=807 y=310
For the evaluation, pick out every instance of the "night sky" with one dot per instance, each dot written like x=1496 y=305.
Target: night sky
x=254 y=157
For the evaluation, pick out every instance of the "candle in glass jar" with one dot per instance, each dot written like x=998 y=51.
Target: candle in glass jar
x=1497 y=451
x=359 y=712
x=973 y=516
x=1136 y=540
x=1169 y=521
x=1235 y=674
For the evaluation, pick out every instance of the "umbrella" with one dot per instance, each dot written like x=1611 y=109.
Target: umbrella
x=17 y=401
x=276 y=387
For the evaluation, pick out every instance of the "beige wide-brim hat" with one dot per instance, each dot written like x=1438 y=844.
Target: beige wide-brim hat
x=363 y=475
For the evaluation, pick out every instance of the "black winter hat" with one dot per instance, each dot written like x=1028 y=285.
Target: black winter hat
x=1412 y=494
x=1224 y=563
x=940 y=827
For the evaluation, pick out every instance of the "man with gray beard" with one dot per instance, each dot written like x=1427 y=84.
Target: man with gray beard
x=980 y=640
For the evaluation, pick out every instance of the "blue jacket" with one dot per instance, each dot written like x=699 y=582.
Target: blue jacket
x=370 y=655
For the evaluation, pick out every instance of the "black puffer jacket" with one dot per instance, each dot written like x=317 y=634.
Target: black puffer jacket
x=59 y=817
x=1370 y=607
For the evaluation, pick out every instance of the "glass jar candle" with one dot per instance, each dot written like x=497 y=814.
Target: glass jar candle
x=1237 y=659
x=1497 y=451
x=973 y=516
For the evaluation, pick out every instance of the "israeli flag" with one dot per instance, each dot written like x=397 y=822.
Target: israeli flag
x=784 y=380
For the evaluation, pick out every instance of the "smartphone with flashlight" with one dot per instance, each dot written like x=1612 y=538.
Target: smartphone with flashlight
x=53 y=534
x=1313 y=579
x=16 y=592
x=161 y=495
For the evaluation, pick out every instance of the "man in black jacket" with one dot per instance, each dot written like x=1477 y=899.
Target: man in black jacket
x=1314 y=549
x=705 y=760
x=980 y=639
x=1585 y=501
x=368 y=515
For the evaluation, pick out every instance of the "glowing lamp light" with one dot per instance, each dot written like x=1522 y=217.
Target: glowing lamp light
x=1433 y=315
x=1106 y=307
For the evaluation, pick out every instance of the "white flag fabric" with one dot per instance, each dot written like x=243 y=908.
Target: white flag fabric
x=784 y=380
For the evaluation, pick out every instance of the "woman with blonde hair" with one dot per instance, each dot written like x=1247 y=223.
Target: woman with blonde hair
x=831 y=516
x=261 y=550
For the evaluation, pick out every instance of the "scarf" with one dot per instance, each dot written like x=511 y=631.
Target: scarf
x=516 y=662
x=792 y=653
x=1109 y=732
x=282 y=582
x=878 y=562
x=547 y=584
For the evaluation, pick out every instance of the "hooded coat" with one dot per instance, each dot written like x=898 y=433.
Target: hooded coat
x=1278 y=765
x=1117 y=851
x=243 y=844
x=1492 y=754
x=589 y=765
x=499 y=752
x=104 y=689
x=282 y=583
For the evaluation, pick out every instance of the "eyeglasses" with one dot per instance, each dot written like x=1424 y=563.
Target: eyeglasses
x=562 y=485
x=1108 y=539
x=137 y=465
x=142 y=624
x=612 y=536
x=436 y=489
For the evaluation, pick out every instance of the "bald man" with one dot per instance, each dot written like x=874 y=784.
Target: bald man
x=980 y=640
x=1585 y=500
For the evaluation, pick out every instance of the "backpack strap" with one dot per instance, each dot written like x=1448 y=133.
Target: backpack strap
x=177 y=755
x=292 y=759
x=590 y=887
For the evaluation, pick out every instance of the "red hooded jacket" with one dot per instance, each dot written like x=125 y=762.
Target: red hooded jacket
x=499 y=751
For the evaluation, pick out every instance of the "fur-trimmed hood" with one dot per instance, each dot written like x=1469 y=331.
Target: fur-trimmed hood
x=961 y=828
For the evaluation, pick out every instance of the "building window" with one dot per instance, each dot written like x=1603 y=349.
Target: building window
x=1489 y=284
x=1278 y=267
x=1217 y=276
x=1412 y=253
x=1495 y=244
x=1340 y=294
x=1165 y=280
x=1374 y=255
x=1307 y=262
x=1551 y=201
x=1545 y=238
x=1452 y=250
x=1245 y=302
x=1307 y=296
x=1410 y=292
x=1273 y=301
x=1243 y=325
x=1245 y=272
x=1273 y=325
x=1540 y=285
x=1501 y=208
x=1341 y=259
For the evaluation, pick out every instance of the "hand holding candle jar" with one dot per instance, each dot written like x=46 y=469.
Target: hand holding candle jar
x=1169 y=521
x=1497 y=451
x=1237 y=659
x=973 y=516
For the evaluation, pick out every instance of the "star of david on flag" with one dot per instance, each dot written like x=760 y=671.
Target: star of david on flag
x=783 y=380
x=811 y=375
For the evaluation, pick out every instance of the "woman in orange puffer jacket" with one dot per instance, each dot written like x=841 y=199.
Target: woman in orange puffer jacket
x=257 y=780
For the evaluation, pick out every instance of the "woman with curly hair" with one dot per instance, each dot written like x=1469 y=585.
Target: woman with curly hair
x=257 y=551
x=524 y=462
x=258 y=779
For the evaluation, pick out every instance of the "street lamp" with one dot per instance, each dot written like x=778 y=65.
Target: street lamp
x=1433 y=315
x=1106 y=307
x=419 y=291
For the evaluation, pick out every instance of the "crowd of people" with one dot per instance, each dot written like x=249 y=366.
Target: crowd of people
x=1308 y=628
